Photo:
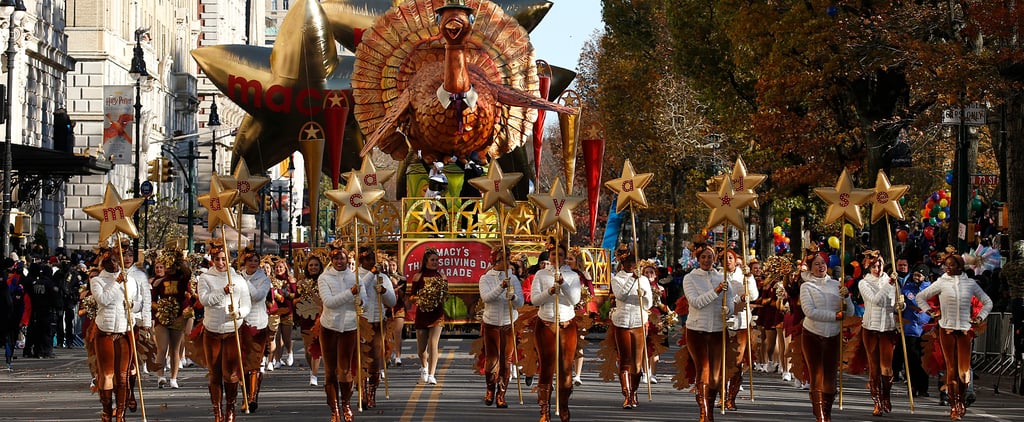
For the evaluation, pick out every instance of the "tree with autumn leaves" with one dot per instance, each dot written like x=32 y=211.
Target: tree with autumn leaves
x=805 y=89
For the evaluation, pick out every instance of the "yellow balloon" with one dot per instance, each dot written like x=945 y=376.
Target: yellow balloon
x=833 y=242
x=848 y=230
x=777 y=230
x=943 y=203
x=942 y=215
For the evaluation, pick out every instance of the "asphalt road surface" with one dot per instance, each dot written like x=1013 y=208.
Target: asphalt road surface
x=58 y=389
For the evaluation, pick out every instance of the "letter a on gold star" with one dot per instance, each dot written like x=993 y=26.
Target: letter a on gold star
x=886 y=197
x=114 y=214
x=371 y=177
x=556 y=207
x=630 y=187
x=726 y=204
x=217 y=203
x=496 y=186
x=844 y=200
x=354 y=202
x=247 y=185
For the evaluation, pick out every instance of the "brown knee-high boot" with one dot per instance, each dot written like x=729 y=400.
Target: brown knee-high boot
x=121 y=394
x=371 y=391
x=346 y=397
x=502 y=387
x=230 y=397
x=954 y=391
x=331 y=389
x=107 y=400
x=255 y=381
x=875 y=386
x=489 y=395
x=626 y=382
x=215 y=398
x=817 y=406
x=563 y=403
x=826 y=406
x=544 y=399
x=733 y=389
x=132 y=404
x=705 y=402
x=884 y=391
x=634 y=384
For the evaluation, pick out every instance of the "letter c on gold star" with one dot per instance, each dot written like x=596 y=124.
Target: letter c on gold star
x=353 y=202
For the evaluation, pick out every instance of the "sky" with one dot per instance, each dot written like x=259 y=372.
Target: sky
x=560 y=36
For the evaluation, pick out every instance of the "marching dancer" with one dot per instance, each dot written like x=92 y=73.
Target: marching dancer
x=338 y=335
x=559 y=282
x=380 y=295
x=628 y=317
x=705 y=287
x=259 y=287
x=879 y=331
x=498 y=287
x=746 y=290
x=824 y=302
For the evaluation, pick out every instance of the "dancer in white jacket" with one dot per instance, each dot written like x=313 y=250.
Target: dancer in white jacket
x=498 y=287
x=112 y=345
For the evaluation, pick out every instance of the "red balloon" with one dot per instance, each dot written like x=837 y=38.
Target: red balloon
x=926 y=213
x=902 y=235
x=929 y=232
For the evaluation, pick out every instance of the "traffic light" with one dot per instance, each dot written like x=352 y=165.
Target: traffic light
x=166 y=170
x=154 y=170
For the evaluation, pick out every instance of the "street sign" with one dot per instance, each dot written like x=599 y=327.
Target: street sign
x=984 y=179
x=146 y=188
x=974 y=115
x=149 y=202
x=184 y=220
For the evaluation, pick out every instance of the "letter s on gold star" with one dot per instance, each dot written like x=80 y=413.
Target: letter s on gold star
x=354 y=202
x=114 y=214
x=496 y=186
x=556 y=207
x=844 y=200
x=886 y=197
x=630 y=187
x=217 y=203
x=726 y=204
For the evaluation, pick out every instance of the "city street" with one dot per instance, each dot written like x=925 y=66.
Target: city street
x=57 y=389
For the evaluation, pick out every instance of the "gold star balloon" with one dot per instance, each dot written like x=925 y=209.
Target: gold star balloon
x=844 y=200
x=630 y=187
x=726 y=204
x=371 y=178
x=217 y=203
x=885 y=200
x=246 y=184
x=354 y=202
x=114 y=214
x=556 y=207
x=496 y=186
x=743 y=181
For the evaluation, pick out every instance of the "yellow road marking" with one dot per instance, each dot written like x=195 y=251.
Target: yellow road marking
x=436 y=394
x=410 y=406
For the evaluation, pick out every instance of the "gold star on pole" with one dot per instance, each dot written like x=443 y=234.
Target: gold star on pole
x=844 y=200
x=496 y=186
x=726 y=204
x=556 y=207
x=217 y=203
x=743 y=181
x=630 y=187
x=369 y=175
x=354 y=202
x=885 y=200
x=114 y=214
x=246 y=184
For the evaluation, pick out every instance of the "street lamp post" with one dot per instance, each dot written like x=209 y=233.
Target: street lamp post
x=291 y=174
x=213 y=124
x=18 y=7
x=138 y=72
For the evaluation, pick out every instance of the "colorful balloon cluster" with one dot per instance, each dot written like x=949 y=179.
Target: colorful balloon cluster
x=781 y=236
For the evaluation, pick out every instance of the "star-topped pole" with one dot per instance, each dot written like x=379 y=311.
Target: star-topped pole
x=246 y=184
x=496 y=186
x=844 y=200
x=556 y=207
x=354 y=202
x=743 y=181
x=726 y=204
x=885 y=202
x=115 y=215
x=218 y=204
x=629 y=187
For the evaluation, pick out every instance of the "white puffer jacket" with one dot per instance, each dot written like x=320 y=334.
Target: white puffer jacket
x=142 y=316
x=109 y=296
x=259 y=286
x=879 y=303
x=218 y=318
x=955 y=293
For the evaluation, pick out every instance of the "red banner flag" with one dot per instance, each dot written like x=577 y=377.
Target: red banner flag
x=544 y=74
x=593 y=160
x=336 y=108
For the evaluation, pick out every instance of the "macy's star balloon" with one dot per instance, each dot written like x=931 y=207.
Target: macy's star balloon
x=354 y=202
x=115 y=215
x=496 y=186
x=844 y=200
x=886 y=197
x=217 y=203
x=247 y=185
x=726 y=204
x=743 y=181
x=556 y=207
x=630 y=187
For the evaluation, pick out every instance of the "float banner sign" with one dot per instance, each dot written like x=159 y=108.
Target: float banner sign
x=462 y=262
